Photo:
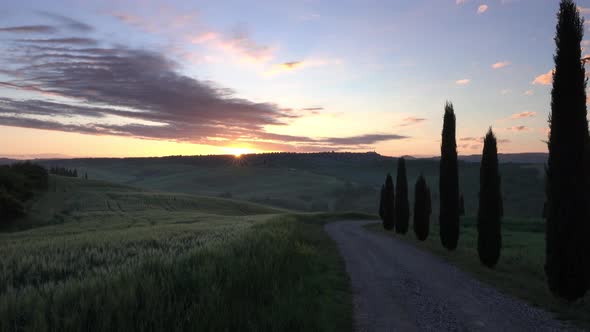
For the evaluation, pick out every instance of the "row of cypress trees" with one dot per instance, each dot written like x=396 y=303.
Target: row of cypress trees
x=567 y=206
x=394 y=206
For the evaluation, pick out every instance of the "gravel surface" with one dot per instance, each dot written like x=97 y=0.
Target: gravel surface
x=398 y=287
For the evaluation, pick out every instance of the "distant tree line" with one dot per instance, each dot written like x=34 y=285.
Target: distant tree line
x=18 y=182
x=567 y=206
x=62 y=171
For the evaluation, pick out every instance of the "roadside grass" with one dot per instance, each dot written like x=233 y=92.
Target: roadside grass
x=520 y=269
x=173 y=269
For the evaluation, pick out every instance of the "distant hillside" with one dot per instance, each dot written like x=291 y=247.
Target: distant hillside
x=307 y=182
x=520 y=158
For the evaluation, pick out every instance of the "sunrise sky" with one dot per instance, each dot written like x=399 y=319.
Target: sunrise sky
x=153 y=78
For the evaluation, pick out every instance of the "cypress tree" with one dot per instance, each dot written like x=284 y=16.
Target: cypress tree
x=388 y=204
x=449 y=182
x=402 y=205
x=461 y=206
x=489 y=214
x=567 y=218
x=422 y=209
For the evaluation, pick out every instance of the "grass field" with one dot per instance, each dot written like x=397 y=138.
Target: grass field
x=103 y=257
x=520 y=269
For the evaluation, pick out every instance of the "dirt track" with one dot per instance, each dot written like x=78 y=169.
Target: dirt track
x=398 y=287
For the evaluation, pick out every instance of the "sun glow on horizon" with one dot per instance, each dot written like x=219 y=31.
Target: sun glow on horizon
x=238 y=151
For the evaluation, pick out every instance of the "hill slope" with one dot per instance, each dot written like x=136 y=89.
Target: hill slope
x=111 y=257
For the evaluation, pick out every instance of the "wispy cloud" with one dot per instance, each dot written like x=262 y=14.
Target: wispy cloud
x=460 y=2
x=482 y=9
x=30 y=29
x=292 y=66
x=204 y=37
x=69 y=41
x=522 y=115
x=544 y=79
x=471 y=139
x=529 y=92
x=240 y=44
x=501 y=64
x=411 y=121
x=505 y=91
x=69 y=22
x=519 y=128
x=464 y=81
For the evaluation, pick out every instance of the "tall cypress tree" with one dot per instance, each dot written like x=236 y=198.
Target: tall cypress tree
x=422 y=209
x=449 y=182
x=567 y=218
x=388 y=204
x=489 y=214
x=402 y=205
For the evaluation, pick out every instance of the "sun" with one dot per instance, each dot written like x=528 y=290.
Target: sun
x=237 y=151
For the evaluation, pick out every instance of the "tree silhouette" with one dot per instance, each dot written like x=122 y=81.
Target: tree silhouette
x=402 y=205
x=388 y=204
x=449 y=182
x=461 y=206
x=567 y=225
x=489 y=214
x=422 y=209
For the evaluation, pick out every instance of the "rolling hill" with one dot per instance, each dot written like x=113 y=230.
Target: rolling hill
x=308 y=182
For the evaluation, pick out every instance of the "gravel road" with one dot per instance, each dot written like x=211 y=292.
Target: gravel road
x=398 y=287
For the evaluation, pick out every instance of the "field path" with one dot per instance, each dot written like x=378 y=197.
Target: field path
x=398 y=287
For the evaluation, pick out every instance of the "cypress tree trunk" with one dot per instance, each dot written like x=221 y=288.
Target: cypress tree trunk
x=402 y=205
x=449 y=182
x=567 y=245
x=422 y=209
x=489 y=214
x=388 y=204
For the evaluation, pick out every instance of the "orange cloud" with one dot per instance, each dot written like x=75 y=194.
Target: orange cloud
x=523 y=115
x=464 y=81
x=482 y=9
x=501 y=64
x=544 y=79
x=300 y=64
x=291 y=65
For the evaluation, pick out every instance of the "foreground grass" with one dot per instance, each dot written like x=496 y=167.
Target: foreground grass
x=278 y=274
x=118 y=259
x=520 y=269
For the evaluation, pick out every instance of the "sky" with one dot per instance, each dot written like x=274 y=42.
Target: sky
x=182 y=77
